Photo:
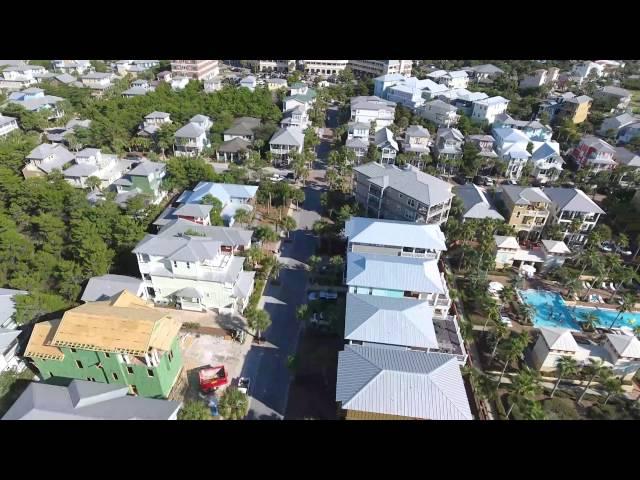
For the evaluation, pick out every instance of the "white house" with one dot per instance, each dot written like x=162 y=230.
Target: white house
x=34 y=100
x=550 y=254
x=569 y=204
x=97 y=80
x=8 y=332
x=613 y=125
x=358 y=139
x=179 y=83
x=284 y=142
x=20 y=76
x=486 y=110
x=72 y=67
x=193 y=138
x=452 y=79
x=91 y=162
x=212 y=85
x=511 y=147
x=547 y=162
x=153 y=122
x=46 y=158
x=7 y=125
x=194 y=273
x=417 y=141
x=249 y=82
x=439 y=112
x=582 y=70
x=369 y=109
x=387 y=145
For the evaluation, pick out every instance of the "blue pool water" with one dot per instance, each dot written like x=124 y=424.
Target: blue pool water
x=551 y=311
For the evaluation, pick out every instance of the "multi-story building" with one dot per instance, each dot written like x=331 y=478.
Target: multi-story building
x=547 y=255
x=629 y=133
x=528 y=209
x=581 y=71
x=9 y=359
x=619 y=95
x=358 y=139
x=484 y=143
x=97 y=80
x=594 y=153
x=193 y=138
x=249 y=82
x=273 y=65
x=325 y=67
x=511 y=147
x=300 y=95
x=417 y=141
x=575 y=109
x=439 y=112
x=19 y=76
x=232 y=197
x=486 y=73
x=536 y=131
x=448 y=144
x=539 y=78
x=134 y=67
x=72 y=67
x=34 y=100
x=476 y=206
x=91 y=162
x=46 y=158
x=195 y=69
x=122 y=341
x=570 y=205
x=452 y=79
x=384 y=141
x=84 y=400
x=153 y=122
x=145 y=178
x=408 y=91
x=394 y=193
x=7 y=125
x=613 y=126
x=381 y=67
x=193 y=272
x=487 y=109
x=370 y=109
x=284 y=142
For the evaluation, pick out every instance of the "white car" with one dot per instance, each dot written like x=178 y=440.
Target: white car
x=275 y=178
x=506 y=321
x=313 y=296
x=328 y=295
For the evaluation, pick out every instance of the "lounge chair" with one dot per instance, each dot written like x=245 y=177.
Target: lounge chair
x=612 y=287
x=604 y=286
x=587 y=284
x=584 y=285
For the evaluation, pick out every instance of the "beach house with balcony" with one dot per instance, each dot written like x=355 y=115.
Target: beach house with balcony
x=193 y=138
x=569 y=205
x=528 y=209
x=595 y=154
x=284 y=142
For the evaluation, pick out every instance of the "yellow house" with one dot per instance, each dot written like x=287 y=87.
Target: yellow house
x=576 y=109
x=528 y=209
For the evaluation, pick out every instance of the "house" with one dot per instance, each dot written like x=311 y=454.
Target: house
x=8 y=307
x=463 y=99
x=398 y=277
x=384 y=141
x=417 y=141
x=106 y=286
x=487 y=109
x=619 y=95
x=179 y=83
x=582 y=71
x=395 y=238
x=528 y=209
x=193 y=138
x=476 y=206
x=547 y=255
x=297 y=117
x=8 y=330
x=59 y=134
x=135 y=66
x=370 y=109
x=194 y=212
x=300 y=95
x=536 y=131
x=576 y=109
x=249 y=82
x=384 y=383
x=144 y=178
x=451 y=79
x=212 y=85
x=19 y=76
x=485 y=73
x=46 y=158
x=484 y=144
x=7 y=125
x=594 y=153
x=233 y=197
x=75 y=67
x=511 y=147
x=609 y=66
x=284 y=142
x=439 y=112
x=153 y=122
x=619 y=352
x=164 y=76
x=539 y=78
x=448 y=144
x=193 y=272
x=626 y=158
x=234 y=240
x=547 y=162
x=358 y=140
x=97 y=80
x=375 y=68
x=195 y=69
x=612 y=126
x=408 y=91
x=64 y=79
x=121 y=341
x=244 y=128
x=629 y=133
x=394 y=193
x=85 y=400
x=91 y=162
x=569 y=205
x=34 y=100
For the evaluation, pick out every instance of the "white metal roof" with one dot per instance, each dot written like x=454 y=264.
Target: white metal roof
x=394 y=233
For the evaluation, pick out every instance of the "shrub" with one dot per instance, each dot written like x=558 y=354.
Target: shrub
x=560 y=409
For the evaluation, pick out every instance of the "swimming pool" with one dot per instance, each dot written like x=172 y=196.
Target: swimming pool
x=551 y=311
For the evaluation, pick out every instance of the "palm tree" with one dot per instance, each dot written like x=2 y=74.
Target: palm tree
x=523 y=386
x=466 y=330
x=314 y=262
x=528 y=312
x=258 y=320
x=276 y=268
x=587 y=258
x=242 y=216
x=613 y=386
x=493 y=313
x=595 y=368
x=288 y=224
x=589 y=321
x=509 y=354
x=93 y=183
x=628 y=301
x=573 y=284
x=535 y=412
x=566 y=366
x=234 y=405
x=466 y=232
x=499 y=333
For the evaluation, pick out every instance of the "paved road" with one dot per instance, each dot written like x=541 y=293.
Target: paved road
x=266 y=364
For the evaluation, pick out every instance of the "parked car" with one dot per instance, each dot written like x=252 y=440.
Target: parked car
x=313 y=296
x=328 y=295
x=606 y=247
x=488 y=181
x=623 y=251
x=506 y=321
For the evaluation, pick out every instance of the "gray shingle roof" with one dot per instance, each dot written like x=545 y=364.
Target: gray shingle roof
x=627 y=157
x=193 y=210
x=145 y=168
x=106 y=286
x=573 y=200
x=288 y=136
x=83 y=400
x=234 y=145
x=616 y=91
x=476 y=204
x=157 y=114
x=243 y=126
x=410 y=181
x=391 y=321
x=190 y=130
x=393 y=273
x=184 y=249
x=394 y=233
x=525 y=195
x=417 y=131
x=226 y=235
x=401 y=382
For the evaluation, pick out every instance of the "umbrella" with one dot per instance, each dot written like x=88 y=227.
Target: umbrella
x=496 y=286
x=530 y=269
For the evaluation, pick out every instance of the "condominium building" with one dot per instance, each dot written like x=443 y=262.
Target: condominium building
x=325 y=67
x=196 y=69
x=381 y=67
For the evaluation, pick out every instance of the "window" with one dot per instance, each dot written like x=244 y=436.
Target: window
x=134 y=390
x=73 y=350
x=146 y=276
x=188 y=265
x=106 y=355
x=150 y=372
x=130 y=370
x=115 y=376
x=79 y=363
x=175 y=264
